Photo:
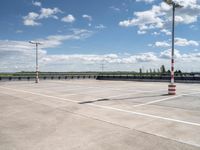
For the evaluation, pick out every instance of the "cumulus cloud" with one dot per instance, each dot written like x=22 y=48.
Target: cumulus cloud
x=12 y=49
x=17 y=55
x=162 y=44
x=167 y=54
x=20 y=55
x=115 y=8
x=159 y=16
x=185 y=42
x=19 y=31
x=56 y=40
x=32 y=18
x=149 y=19
x=48 y=12
x=184 y=59
x=167 y=32
x=141 y=32
x=88 y=17
x=100 y=26
x=178 y=42
x=39 y=4
x=98 y=59
x=143 y=57
x=69 y=18
x=146 y=1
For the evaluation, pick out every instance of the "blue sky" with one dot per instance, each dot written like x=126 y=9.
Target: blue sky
x=80 y=35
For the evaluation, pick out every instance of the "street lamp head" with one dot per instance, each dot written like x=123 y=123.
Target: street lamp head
x=32 y=42
x=171 y=2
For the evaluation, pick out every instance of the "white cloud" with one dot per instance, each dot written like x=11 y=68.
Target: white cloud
x=20 y=55
x=100 y=26
x=183 y=59
x=185 y=42
x=162 y=44
x=39 y=4
x=107 y=58
x=146 y=1
x=49 y=42
x=155 y=33
x=141 y=32
x=17 y=55
x=145 y=20
x=19 y=31
x=88 y=17
x=32 y=18
x=167 y=54
x=115 y=8
x=159 y=16
x=143 y=57
x=178 y=42
x=56 y=40
x=167 y=32
x=48 y=12
x=69 y=18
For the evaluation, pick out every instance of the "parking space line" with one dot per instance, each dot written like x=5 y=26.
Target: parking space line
x=164 y=99
x=39 y=94
x=146 y=115
x=112 y=108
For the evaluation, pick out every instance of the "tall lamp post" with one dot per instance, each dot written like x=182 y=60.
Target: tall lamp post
x=172 y=86
x=37 y=66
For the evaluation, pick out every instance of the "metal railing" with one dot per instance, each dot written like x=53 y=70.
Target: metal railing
x=187 y=77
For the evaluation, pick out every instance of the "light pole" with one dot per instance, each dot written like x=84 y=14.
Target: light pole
x=172 y=86
x=37 y=66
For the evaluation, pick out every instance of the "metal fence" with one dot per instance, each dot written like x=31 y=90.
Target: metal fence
x=183 y=77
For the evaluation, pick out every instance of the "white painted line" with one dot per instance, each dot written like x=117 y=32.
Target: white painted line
x=106 y=121
x=146 y=115
x=165 y=99
x=39 y=94
x=111 y=108
x=31 y=100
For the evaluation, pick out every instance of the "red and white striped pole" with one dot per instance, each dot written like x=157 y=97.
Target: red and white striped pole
x=172 y=86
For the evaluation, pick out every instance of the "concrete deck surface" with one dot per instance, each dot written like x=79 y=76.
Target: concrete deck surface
x=98 y=115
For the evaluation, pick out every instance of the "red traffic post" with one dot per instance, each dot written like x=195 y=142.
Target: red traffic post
x=172 y=89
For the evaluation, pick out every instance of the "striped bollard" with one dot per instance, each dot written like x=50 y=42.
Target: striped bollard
x=172 y=89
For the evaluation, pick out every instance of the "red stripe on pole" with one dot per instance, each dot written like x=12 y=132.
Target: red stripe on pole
x=172 y=69
x=170 y=90
x=172 y=85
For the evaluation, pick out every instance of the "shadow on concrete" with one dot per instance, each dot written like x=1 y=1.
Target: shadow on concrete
x=98 y=100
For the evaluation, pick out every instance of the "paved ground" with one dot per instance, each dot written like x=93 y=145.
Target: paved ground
x=98 y=115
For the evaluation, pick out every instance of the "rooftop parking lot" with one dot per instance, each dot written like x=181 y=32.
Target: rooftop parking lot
x=98 y=115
